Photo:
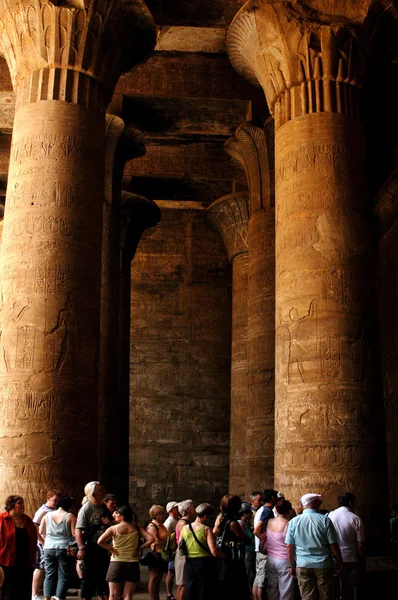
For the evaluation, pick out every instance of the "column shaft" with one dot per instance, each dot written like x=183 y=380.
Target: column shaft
x=327 y=434
x=261 y=351
x=50 y=299
x=239 y=378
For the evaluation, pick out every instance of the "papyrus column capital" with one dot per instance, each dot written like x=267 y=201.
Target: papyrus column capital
x=305 y=60
x=253 y=149
x=73 y=50
x=229 y=215
x=138 y=214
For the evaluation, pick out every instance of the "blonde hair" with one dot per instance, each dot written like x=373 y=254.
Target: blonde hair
x=155 y=509
x=90 y=489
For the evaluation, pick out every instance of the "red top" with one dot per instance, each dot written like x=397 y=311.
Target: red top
x=7 y=540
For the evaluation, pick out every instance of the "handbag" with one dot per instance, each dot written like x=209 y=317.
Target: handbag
x=182 y=547
x=233 y=550
x=263 y=544
x=147 y=558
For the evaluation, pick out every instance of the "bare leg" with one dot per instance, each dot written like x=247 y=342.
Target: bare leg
x=37 y=582
x=128 y=591
x=115 y=591
x=169 y=583
x=155 y=577
x=182 y=592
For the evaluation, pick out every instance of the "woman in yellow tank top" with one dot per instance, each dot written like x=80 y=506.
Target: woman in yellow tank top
x=124 y=571
x=201 y=547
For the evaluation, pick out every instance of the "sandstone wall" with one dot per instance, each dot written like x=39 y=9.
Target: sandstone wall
x=388 y=300
x=180 y=363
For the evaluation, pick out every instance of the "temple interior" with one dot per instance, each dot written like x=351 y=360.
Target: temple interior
x=199 y=257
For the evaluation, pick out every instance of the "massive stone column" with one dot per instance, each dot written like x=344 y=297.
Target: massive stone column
x=252 y=149
x=121 y=144
x=137 y=215
x=229 y=215
x=65 y=59
x=327 y=388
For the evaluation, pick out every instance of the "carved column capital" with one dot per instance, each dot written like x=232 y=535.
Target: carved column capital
x=138 y=214
x=73 y=50
x=229 y=215
x=253 y=149
x=305 y=60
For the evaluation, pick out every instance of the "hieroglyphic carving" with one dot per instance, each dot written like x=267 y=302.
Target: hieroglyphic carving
x=253 y=149
x=229 y=216
x=328 y=435
x=303 y=66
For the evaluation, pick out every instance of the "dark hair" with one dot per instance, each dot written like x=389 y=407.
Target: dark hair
x=346 y=498
x=230 y=504
x=394 y=508
x=255 y=493
x=109 y=497
x=269 y=494
x=245 y=509
x=283 y=507
x=65 y=502
x=11 y=502
x=126 y=512
x=204 y=510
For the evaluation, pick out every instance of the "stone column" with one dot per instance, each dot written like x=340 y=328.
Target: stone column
x=328 y=418
x=252 y=149
x=120 y=145
x=65 y=59
x=229 y=216
x=138 y=214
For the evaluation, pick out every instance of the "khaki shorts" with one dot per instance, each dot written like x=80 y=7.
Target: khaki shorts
x=179 y=567
x=260 y=579
x=315 y=583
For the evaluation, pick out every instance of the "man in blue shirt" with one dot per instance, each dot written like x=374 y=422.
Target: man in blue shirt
x=311 y=544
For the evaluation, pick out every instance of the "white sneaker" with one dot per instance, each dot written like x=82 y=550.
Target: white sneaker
x=36 y=597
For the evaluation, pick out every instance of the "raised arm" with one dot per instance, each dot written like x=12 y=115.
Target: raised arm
x=155 y=534
x=148 y=537
x=105 y=536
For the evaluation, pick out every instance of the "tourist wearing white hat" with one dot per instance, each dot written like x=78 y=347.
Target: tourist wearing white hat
x=311 y=544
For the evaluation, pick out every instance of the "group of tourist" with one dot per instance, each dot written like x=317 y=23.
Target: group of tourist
x=246 y=551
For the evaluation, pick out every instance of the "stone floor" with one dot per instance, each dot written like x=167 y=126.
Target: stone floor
x=140 y=594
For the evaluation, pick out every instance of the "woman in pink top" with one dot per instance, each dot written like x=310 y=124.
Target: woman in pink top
x=281 y=586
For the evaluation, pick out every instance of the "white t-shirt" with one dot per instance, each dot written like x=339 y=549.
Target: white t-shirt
x=255 y=522
x=350 y=530
x=170 y=524
x=40 y=513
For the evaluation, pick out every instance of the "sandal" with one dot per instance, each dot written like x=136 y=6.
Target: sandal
x=170 y=597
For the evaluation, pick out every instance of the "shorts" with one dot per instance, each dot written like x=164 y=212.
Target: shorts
x=160 y=565
x=179 y=566
x=39 y=556
x=261 y=570
x=170 y=566
x=120 y=572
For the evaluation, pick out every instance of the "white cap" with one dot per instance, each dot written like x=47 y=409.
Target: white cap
x=170 y=506
x=308 y=498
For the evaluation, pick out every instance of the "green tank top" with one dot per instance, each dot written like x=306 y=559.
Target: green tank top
x=193 y=548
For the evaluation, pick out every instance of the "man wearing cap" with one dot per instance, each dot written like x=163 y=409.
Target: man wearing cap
x=170 y=524
x=311 y=544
